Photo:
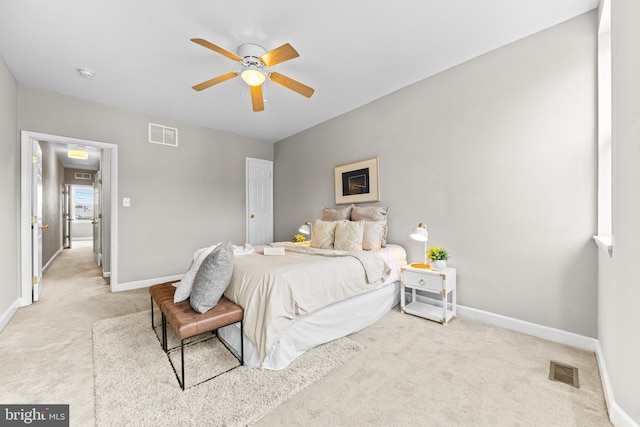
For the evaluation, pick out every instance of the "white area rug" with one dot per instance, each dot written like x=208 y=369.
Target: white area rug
x=135 y=384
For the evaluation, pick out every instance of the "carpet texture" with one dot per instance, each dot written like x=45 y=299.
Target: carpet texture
x=135 y=384
x=414 y=372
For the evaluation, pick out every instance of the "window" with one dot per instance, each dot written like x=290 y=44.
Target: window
x=82 y=203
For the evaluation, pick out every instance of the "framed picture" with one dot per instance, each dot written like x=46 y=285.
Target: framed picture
x=357 y=182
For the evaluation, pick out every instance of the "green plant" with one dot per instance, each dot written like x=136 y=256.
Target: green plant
x=435 y=253
x=299 y=238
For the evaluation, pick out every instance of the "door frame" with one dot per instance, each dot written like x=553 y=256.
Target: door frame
x=66 y=215
x=26 y=189
x=36 y=217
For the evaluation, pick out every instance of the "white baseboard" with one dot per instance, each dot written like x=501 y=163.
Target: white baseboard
x=8 y=314
x=53 y=258
x=533 y=329
x=617 y=415
x=127 y=286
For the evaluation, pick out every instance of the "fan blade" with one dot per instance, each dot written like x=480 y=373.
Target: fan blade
x=257 y=102
x=279 y=54
x=289 y=83
x=218 y=49
x=215 y=81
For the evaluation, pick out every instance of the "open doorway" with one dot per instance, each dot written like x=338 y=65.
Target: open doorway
x=81 y=207
x=80 y=216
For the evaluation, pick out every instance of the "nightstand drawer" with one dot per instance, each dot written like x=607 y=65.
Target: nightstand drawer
x=433 y=282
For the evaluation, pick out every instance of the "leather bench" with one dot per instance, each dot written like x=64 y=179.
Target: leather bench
x=187 y=323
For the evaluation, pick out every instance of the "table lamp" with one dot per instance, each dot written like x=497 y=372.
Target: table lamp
x=420 y=234
x=305 y=228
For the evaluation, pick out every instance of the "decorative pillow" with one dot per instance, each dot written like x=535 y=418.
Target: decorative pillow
x=184 y=286
x=371 y=213
x=374 y=234
x=349 y=235
x=329 y=214
x=322 y=234
x=212 y=278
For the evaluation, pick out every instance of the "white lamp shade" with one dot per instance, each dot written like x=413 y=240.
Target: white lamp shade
x=420 y=233
x=305 y=228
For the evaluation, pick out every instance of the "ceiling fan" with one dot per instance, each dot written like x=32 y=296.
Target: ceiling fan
x=255 y=60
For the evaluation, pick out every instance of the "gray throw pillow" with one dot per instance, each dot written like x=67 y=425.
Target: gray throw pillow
x=184 y=286
x=212 y=278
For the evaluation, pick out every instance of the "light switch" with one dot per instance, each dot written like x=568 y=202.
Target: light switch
x=126 y=202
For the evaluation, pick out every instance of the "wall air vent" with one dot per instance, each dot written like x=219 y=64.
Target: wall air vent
x=159 y=134
x=81 y=175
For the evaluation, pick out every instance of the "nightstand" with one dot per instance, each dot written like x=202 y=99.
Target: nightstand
x=433 y=293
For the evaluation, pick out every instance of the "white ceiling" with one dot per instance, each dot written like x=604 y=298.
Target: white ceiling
x=351 y=52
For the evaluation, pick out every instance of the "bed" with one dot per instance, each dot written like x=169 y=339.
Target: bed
x=307 y=297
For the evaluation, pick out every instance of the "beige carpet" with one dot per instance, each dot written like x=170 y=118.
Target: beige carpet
x=414 y=372
x=46 y=349
x=135 y=384
x=411 y=371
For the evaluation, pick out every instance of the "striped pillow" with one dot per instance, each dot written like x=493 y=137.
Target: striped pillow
x=322 y=234
x=349 y=235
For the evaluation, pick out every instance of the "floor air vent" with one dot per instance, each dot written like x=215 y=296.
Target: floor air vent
x=564 y=374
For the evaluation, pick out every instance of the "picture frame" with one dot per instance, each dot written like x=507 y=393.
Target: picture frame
x=357 y=182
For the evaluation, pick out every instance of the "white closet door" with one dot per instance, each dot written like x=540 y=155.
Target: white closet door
x=259 y=187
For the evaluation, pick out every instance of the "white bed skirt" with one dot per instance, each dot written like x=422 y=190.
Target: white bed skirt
x=327 y=324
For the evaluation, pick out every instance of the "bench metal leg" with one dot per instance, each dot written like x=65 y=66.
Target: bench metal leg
x=164 y=332
x=241 y=343
x=181 y=379
x=182 y=360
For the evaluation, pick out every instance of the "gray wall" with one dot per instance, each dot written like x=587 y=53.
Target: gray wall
x=497 y=156
x=181 y=198
x=619 y=287
x=9 y=191
x=52 y=186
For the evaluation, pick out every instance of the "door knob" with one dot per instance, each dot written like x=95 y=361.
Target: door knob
x=44 y=226
x=251 y=216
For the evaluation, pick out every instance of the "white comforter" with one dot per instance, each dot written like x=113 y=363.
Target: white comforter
x=274 y=290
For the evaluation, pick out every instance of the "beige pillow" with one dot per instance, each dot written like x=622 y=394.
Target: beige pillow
x=322 y=234
x=371 y=213
x=349 y=235
x=374 y=235
x=329 y=214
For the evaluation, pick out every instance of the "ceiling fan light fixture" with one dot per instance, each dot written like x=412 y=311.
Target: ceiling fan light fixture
x=255 y=62
x=253 y=76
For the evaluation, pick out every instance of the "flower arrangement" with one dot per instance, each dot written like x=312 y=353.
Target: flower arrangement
x=299 y=238
x=435 y=253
